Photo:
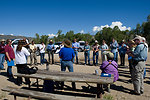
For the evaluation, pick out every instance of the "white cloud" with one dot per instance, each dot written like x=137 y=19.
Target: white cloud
x=11 y=34
x=82 y=31
x=2 y=34
x=117 y=23
x=51 y=35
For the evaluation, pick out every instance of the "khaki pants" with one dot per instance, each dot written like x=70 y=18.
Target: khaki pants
x=137 y=76
x=33 y=56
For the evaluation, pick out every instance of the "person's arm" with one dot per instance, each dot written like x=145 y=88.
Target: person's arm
x=60 y=53
x=26 y=52
x=7 y=55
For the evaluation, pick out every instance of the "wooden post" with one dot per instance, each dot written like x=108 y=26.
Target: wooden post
x=29 y=98
x=15 y=97
x=37 y=83
x=99 y=90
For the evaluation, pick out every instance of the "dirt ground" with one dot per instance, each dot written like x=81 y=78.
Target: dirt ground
x=120 y=90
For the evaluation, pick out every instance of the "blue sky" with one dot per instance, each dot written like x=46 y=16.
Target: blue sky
x=27 y=17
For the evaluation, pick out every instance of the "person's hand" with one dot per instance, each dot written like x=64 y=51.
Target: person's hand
x=9 y=59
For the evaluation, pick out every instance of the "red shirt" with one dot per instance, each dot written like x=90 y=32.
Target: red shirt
x=10 y=51
x=2 y=49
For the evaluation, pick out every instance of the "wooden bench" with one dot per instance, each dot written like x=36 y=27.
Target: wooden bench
x=35 y=94
x=71 y=77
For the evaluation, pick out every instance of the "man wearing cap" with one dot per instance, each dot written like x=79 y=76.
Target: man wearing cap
x=50 y=50
x=75 y=46
x=95 y=52
x=2 y=54
x=114 y=49
x=139 y=55
x=67 y=54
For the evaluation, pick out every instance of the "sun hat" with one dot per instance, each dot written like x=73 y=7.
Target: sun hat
x=143 y=38
x=96 y=41
x=137 y=38
x=110 y=55
x=67 y=43
x=2 y=40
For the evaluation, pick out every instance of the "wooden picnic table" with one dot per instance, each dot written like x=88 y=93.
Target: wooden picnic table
x=71 y=77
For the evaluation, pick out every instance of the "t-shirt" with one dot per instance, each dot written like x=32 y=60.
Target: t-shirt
x=96 y=47
x=32 y=47
x=21 y=56
x=10 y=51
x=75 y=44
x=2 y=49
x=67 y=54
x=42 y=48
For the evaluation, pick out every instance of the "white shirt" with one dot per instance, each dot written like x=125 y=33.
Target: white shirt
x=20 y=56
x=42 y=48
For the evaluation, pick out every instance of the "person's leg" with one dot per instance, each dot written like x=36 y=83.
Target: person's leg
x=9 y=71
x=49 y=57
x=116 y=57
x=77 y=57
x=52 y=57
x=88 y=54
x=19 y=79
x=123 y=60
x=97 y=54
x=85 y=56
x=41 y=58
x=2 y=60
x=35 y=58
x=27 y=80
x=63 y=68
x=93 y=58
x=31 y=58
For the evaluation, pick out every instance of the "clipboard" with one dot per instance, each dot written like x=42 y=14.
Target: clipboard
x=11 y=63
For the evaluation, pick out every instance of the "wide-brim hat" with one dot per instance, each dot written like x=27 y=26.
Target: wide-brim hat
x=110 y=55
x=67 y=43
x=137 y=38
x=2 y=40
x=51 y=41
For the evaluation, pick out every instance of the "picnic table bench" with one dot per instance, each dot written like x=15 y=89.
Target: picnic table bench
x=71 y=77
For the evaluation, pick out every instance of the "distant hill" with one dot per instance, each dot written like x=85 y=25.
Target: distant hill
x=14 y=37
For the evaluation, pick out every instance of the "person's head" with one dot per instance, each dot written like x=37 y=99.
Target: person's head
x=110 y=56
x=75 y=40
x=24 y=39
x=137 y=40
x=20 y=45
x=96 y=42
x=2 y=41
x=8 y=41
x=104 y=42
x=51 y=41
x=131 y=43
x=123 y=41
x=86 y=43
x=32 y=42
x=42 y=42
x=67 y=44
x=113 y=40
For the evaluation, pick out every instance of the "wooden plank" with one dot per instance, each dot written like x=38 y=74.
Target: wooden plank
x=100 y=80
x=36 y=94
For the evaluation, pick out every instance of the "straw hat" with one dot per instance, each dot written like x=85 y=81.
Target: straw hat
x=96 y=41
x=2 y=40
x=110 y=55
x=67 y=43
x=137 y=38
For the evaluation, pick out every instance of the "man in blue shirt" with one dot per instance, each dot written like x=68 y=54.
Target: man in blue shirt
x=122 y=52
x=67 y=55
x=139 y=55
x=50 y=50
x=75 y=46
x=114 y=49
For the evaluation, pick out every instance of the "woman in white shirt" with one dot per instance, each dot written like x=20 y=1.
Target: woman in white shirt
x=21 y=62
x=42 y=52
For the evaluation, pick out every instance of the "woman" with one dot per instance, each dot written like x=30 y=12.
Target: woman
x=104 y=49
x=21 y=62
x=42 y=52
x=87 y=53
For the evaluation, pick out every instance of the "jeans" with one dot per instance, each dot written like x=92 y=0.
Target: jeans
x=122 y=59
x=68 y=64
x=33 y=56
x=95 y=54
x=87 y=55
x=42 y=57
x=51 y=53
x=116 y=57
x=9 y=71
x=76 y=54
x=2 y=60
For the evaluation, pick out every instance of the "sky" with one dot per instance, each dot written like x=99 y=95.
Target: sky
x=46 y=17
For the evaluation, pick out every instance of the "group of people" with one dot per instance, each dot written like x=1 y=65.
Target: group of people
x=136 y=50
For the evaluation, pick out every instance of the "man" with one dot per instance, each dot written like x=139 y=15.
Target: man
x=87 y=53
x=75 y=46
x=95 y=52
x=139 y=55
x=50 y=50
x=114 y=49
x=104 y=49
x=122 y=52
x=42 y=52
x=67 y=54
x=2 y=54
x=10 y=55
x=33 y=49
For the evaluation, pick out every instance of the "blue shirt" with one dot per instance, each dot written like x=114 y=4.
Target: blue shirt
x=50 y=47
x=114 y=47
x=105 y=46
x=140 y=52
x=75 y=44
x=67 y=54
x=122 y=49
x=87 y=48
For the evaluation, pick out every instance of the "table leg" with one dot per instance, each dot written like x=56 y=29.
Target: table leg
x=15 y=97
x=99 y=90
x=37 y=83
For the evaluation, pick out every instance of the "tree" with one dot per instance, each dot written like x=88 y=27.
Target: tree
x=148 y=18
